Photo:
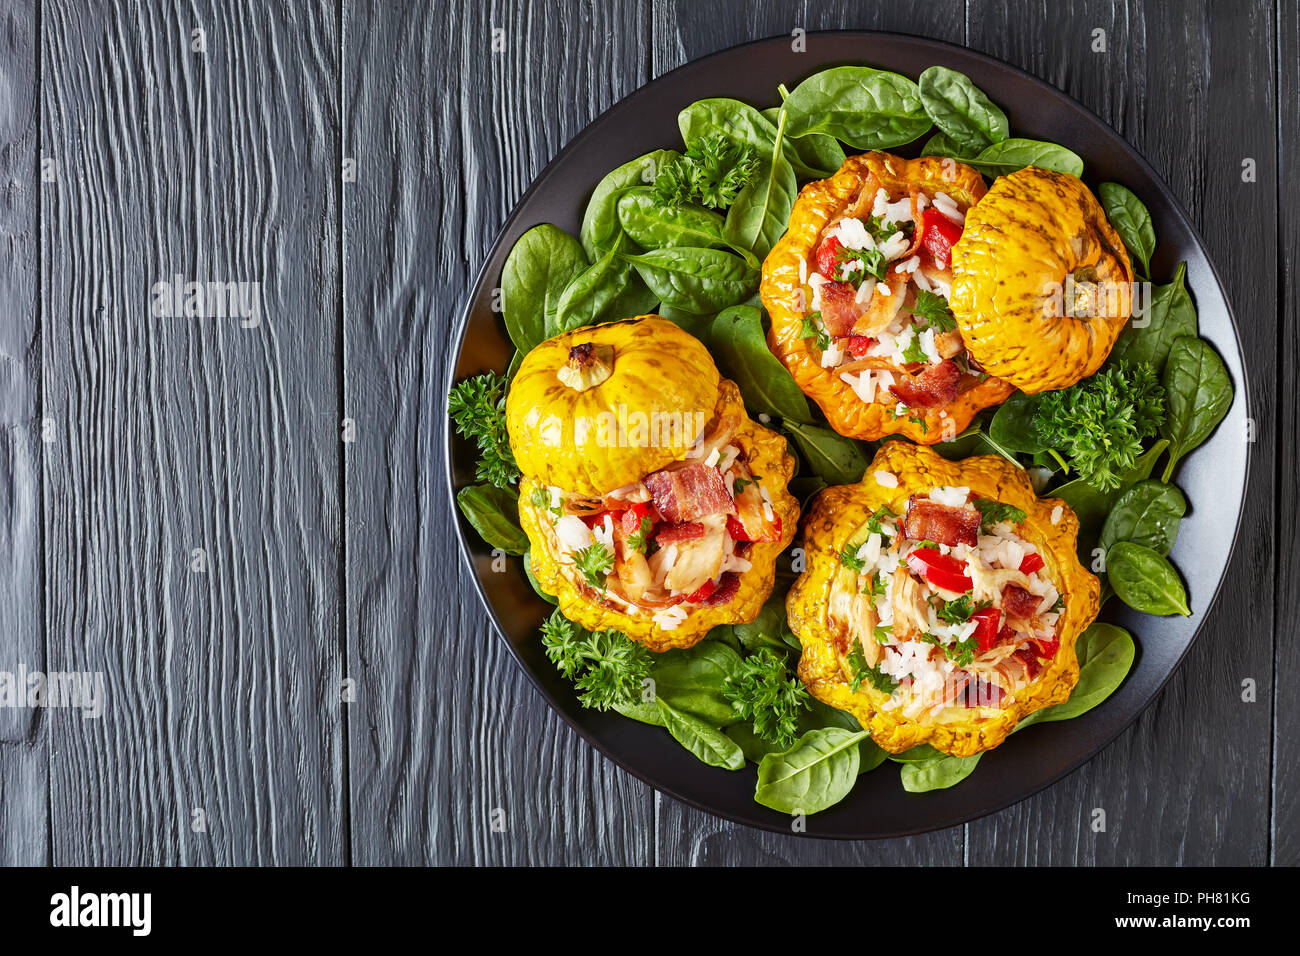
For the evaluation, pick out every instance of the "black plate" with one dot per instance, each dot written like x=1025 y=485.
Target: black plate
x=1213 y=477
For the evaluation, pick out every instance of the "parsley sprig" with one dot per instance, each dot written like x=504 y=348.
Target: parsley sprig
x=872 y=675
x=934 y=309
x=593 y=563
x=478 y=407
x=1099 y=424
x=762 y=691
x=811 y=330
x=712 y=172
x=639 y=540
x=606 y=667
x=991 y=512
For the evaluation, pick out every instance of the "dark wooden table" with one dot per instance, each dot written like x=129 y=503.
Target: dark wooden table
x=240 y=526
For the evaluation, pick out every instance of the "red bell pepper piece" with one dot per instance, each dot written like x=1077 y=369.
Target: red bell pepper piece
x=942 y=570
x=938 y=235
x=631 y=518
x=828 y=257
x=1031 y=563
x=986 y=627
x=858 y=345
x=1048 y=647
x=702 y=592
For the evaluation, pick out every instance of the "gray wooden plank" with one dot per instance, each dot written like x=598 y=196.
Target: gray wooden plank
x=686 y=31
x=1286 y=703
x=446 y=730
x=1188 y=783
x=212 y=156
x=24 y=743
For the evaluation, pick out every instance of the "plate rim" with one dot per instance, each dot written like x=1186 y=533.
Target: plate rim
x=779 y=823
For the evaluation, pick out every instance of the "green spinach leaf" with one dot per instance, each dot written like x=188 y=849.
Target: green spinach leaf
x=594 y=294
x=1105 y=654
x=709 y=744
x=1131 y=220
x=653 y=225
x=758 y=217
x=1198 y=393
x=1012 y=426
x=1091 y=505
x=600 y=225
x=742 y=353
x=1148 y=513
x=821 y=154
x=866 y=108
x=1170 y=315
x=1013 y=154
x=1145 y=580
x=938 y=774
x=816 y=773
x=695 y=280
x=538 y=270
x=494 y=514
x=691 y=680
x=969 y=119
x=831 y=456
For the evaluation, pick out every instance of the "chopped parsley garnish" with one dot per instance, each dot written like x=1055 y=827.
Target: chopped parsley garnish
x=742 y=483
x=883 y=633
x=849 y=558
x=914 y=352
x=594 y=562
x=960 y=652
x=810 y=330
x=934 y=309
x=872 y=675
x=854 y=265
x=638 y=540
x=991 y=512
x=959 y=610
x=876 y=586
x=1060 y=604
x=874 y=523
x=541 y=498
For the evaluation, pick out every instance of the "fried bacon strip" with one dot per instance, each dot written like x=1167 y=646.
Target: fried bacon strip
x=936 y=385
x=929 y=521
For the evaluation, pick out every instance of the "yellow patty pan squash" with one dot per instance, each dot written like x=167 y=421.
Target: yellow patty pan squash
x=572 y=391
x=1041 y=281
x=819 y=204
x=839 y=515
x=654 y=367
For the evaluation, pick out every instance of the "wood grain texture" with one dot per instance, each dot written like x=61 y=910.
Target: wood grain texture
x=447 y=134
x=24 y=742
x=684 y=31
x=1286 y=716
x=176 y=434
x=1189 y=782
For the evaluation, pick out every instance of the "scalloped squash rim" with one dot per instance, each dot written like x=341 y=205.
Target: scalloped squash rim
x=837 y=514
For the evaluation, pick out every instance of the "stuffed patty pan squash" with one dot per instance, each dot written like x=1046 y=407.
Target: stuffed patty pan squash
x=941 y=601
x=1041 y=283
x=857 y=291
x=653 y=504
